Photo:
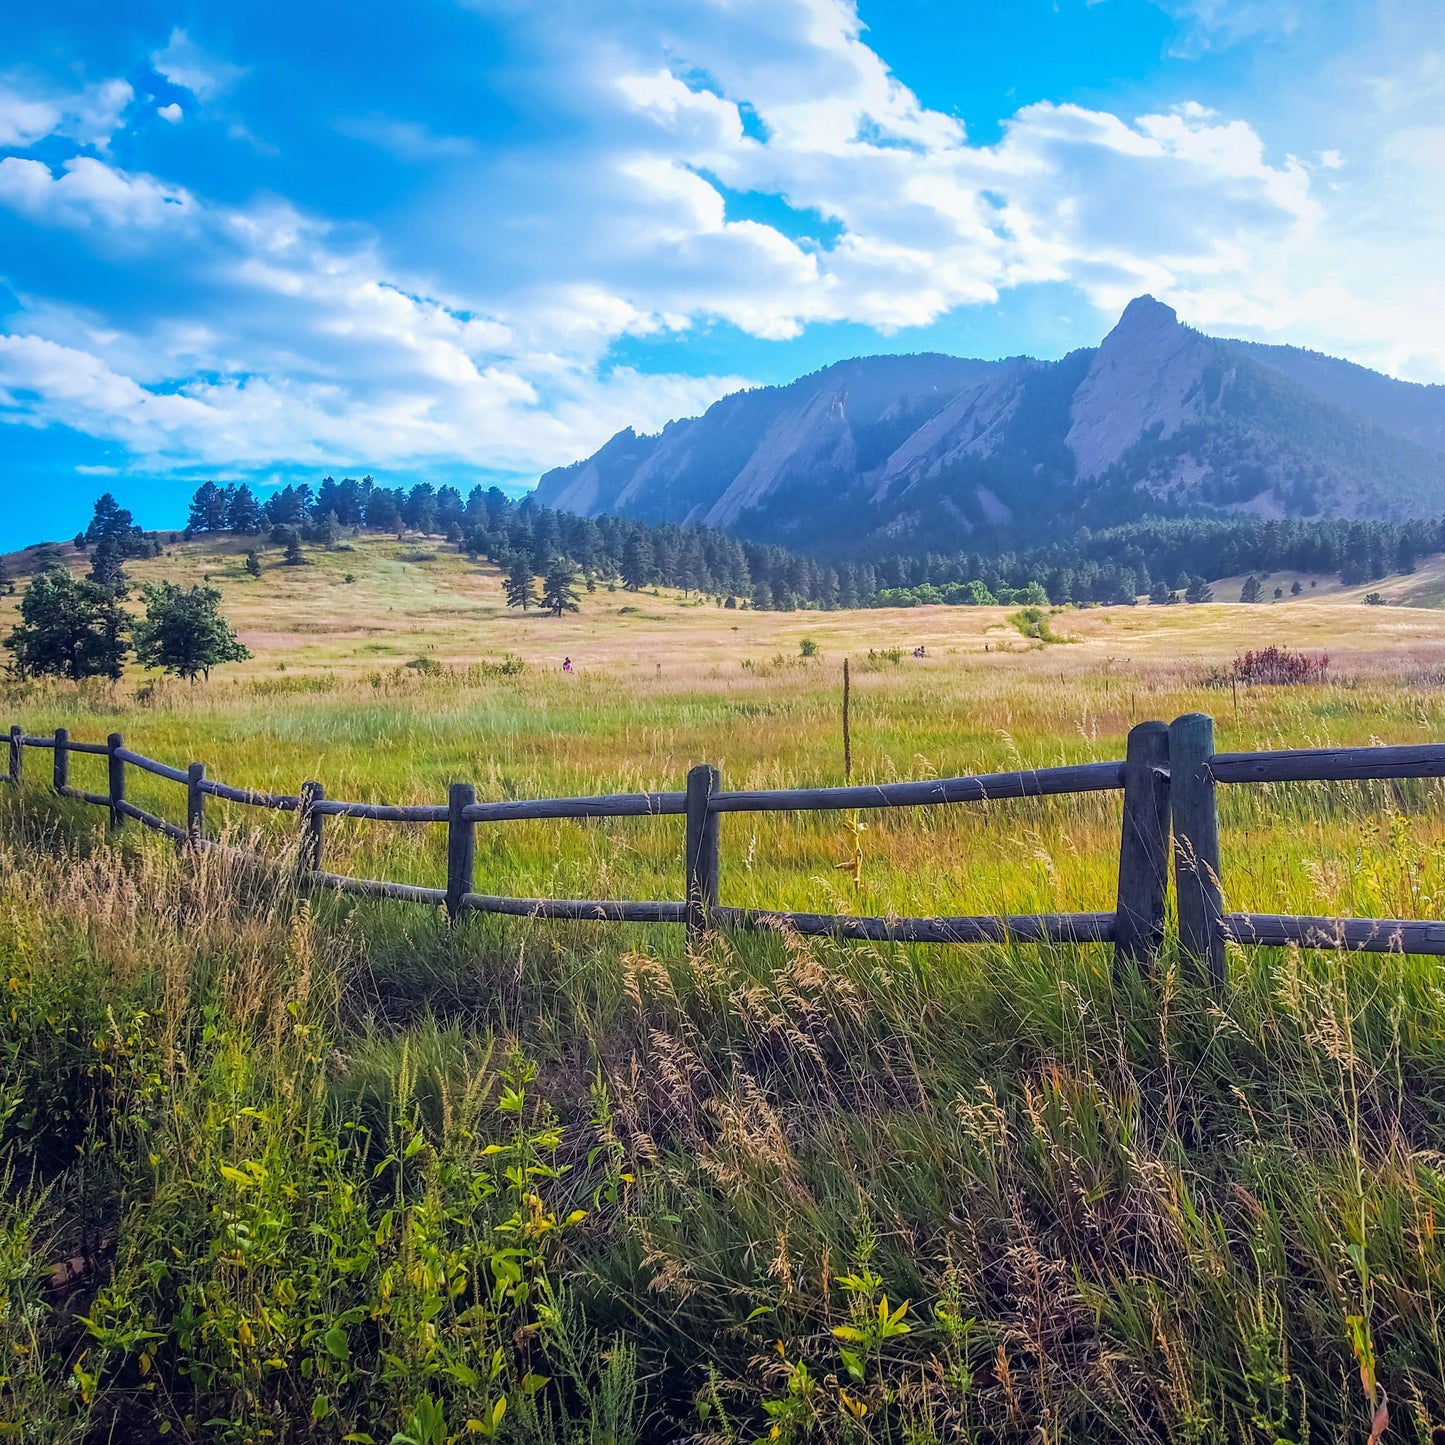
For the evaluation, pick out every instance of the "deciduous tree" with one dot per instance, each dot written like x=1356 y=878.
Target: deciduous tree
x=183 y=631
x=69 y=627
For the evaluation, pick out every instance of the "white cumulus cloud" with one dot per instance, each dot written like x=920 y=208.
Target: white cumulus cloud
x=87 y=193
x=184 y=63
x=89 y=116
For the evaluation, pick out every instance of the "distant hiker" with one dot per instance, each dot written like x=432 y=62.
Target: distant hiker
x=919 y=652
x=566 y=664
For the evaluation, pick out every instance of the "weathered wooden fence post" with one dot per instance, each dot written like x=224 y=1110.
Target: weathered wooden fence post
x=308 y=859
x=113 y=744
x=702 y=854
x=1196 y=843
x=17 y=753
x=461 y=847
x=195 y=805
x=1143 y=848
x=61 y=772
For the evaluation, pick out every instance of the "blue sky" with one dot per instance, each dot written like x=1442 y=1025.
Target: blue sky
x=467 y=240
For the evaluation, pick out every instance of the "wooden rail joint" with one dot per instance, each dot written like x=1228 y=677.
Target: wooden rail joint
x=60 y=774
x=195 y=805
x=1195 y=816
x=1143 y=887
x=308 y=858
x=701 y=851
x=461 y=848
x=115 y=765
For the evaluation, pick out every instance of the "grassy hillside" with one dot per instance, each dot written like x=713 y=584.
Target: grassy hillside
x=255 y=1145
x=1424 y=587
x=422 y=599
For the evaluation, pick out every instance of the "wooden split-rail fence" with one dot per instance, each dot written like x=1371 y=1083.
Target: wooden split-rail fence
x=1168 y=777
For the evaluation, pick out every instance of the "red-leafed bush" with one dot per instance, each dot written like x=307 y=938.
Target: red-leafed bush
x=1278 y=666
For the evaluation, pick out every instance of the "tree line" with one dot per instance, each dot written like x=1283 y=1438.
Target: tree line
x=1163 y=559
x=487 y=523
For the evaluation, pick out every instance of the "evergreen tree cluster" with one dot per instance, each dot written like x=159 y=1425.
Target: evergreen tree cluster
x=487 y=523
x=1165 y=559
x=75 y=627
x=524 y=537
x=113 y=539
x=313 y=513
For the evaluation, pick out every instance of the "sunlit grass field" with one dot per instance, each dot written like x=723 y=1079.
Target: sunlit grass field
x=257 y=1146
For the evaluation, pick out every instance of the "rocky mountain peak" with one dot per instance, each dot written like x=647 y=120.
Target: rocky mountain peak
x=933 y=450
x=1143 y=375
x=1141 y=316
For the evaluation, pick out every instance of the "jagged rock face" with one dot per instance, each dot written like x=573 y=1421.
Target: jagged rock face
x=934 y=450
x=1145 y=374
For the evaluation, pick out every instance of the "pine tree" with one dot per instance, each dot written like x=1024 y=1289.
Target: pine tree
x=253 y=564
x=559 y=587
x=208 y=509
x=1198 y=590
x=420 y=510
x=107 y=565
x=113 y=522
x=326 y=530
x=637 y=561
x=7 y=582
x=1251 y=591
x=243 y=512
x=295 y=557
x=519 y=585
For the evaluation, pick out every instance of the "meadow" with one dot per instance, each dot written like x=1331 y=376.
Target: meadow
x=282 y=1167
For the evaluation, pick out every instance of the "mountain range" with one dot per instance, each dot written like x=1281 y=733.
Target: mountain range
x=936 y=452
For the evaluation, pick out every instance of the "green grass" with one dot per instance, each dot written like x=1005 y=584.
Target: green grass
x=1116 y=1212
x=255 y=1146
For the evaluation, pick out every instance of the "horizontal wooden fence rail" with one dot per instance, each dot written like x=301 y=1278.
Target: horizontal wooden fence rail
x=1330 y=765
x=1168 y=779
x=1016 y=928
x=1035 y=783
